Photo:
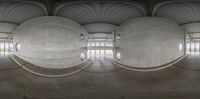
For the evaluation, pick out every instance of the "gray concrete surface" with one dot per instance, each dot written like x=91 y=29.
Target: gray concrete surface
x=149 y=42
x=101 y=64
x=6 y=64
x=48 y=38
x=191 y=62
x=170 y=83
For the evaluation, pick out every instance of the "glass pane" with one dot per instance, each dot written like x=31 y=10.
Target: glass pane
x=109 y=52
x=192 y=48
x=102 y=43
x=88 y=44
x=108 y=44
x=11 y=47
x=92 y=52
x=102 y=52
x=88 y=54
x=197 y=46
x=6 y=47
x=97 y=52
x=2 y=48
x=97 y=44
x=188 y=47
x=92 y=44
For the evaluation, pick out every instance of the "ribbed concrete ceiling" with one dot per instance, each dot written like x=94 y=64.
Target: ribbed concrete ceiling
x=18 y=12
x=99 y=28
x=15 y=13
x=98 y=16
x=185 y=13
x=193 y=31
x=181 y=12
x=6 y=29
x=100 y=12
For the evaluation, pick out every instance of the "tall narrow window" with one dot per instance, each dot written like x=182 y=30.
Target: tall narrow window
x=193 y=47
x=2 y=48
x=7 y=49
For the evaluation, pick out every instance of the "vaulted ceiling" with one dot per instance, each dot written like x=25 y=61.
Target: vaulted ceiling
x=98 y=16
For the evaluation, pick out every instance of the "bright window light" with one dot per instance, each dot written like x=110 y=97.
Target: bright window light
x=97 y=44
x=180 y=47
x=118 y=56
x=102 y=44
x=92 y=44
x=97 y=52
x=18 y=46
x=197 y=47
x=108 y=44
x=11 y=47
x=2 y=48
x=6 y=47
x=100 y=49
x=193 y=47
x=82 y=56
x=88 y=45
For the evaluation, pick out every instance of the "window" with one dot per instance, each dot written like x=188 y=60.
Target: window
x=193 y=47
x=97 y=44
x=109 y=44
x=1 y=48
x=118 y=56
x=92 y=44
x=6 y=47
x=102 y=44
x=99 y=49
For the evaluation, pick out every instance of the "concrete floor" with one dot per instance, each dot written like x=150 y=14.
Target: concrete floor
x=102 y=80
x=191 y=62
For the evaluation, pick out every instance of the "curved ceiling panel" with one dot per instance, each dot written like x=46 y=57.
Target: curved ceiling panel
x=100 y=12
x=18 y=12
x=192 y=28
x=7 y=27
x=193 y=31
x=99 y=28
x=181 y=12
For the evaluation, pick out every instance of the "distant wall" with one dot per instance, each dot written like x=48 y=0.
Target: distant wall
x=149 y=41
x=50 y=38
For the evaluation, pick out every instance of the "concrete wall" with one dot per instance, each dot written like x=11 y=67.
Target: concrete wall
x=149 y=42
x=50 y=38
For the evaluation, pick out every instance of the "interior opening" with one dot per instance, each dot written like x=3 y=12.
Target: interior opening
x=192 y=45
x=100 y=49
x=6 y=47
